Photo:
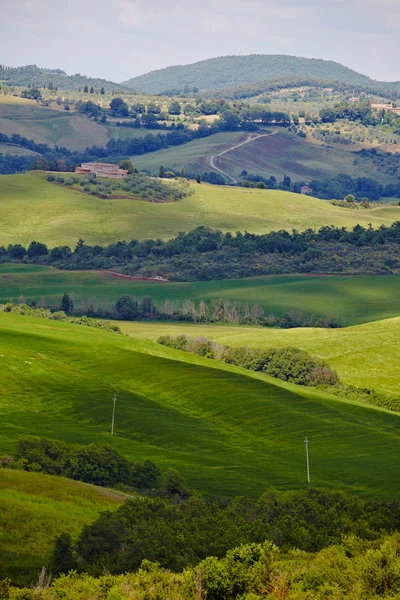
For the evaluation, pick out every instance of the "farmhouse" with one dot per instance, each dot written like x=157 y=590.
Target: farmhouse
x=305 y=189
x=102 y=170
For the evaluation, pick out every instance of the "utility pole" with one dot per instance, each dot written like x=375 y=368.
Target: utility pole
x=308 y=462
x=113 y=414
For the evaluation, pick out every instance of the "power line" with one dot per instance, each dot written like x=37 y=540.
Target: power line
x=308 y=461
x=113 y=414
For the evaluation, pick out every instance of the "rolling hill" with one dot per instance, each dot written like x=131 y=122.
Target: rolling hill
x=228 y=71
x=271 y=152
x=33 y=75
x=365 y=355
x=229 y=431
x=34 y=509
x=342 y=297
x=32 y=208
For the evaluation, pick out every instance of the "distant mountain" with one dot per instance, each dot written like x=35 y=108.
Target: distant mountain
x=36 y=76
x=232 y=71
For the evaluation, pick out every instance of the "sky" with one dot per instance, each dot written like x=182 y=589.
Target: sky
x=119 y=39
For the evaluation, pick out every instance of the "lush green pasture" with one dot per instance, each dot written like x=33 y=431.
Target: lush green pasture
x=32 y=208
x=34 y=509
x=365 y=355
x=227 y=430
x=352 y=300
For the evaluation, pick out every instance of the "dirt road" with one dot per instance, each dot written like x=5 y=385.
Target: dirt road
x=251 y=138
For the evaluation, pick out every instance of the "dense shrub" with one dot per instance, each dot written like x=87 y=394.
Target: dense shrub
x=98 y=464
x=289 y=364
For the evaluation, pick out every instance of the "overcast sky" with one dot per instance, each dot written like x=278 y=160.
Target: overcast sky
x=118 y=39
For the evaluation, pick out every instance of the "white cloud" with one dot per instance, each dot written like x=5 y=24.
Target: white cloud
x=133 y=15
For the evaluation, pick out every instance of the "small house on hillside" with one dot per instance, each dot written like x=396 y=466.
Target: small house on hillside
x=305 y=189
x=102 y=170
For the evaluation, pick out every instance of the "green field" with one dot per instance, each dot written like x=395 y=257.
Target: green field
x=364 y=355
x=49 y=125
x=352 y=300
x=227 y=430
x=34 y=509
x=33 y=209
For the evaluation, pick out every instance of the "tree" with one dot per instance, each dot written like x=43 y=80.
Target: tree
x=174 y=108
x=63 y=558
x=102 y=91
x=350 y=199
x=85 y=89
x=67 y=304
x=198 y=178
x=91 y=90
x=127 y=165
x=119 y=108
x=37 y=249
x=182 y=172
x=161 y=172
x=147 y=307
x=127 y=308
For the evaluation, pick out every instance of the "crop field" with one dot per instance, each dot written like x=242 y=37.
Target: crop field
x=280 y=154
x=227 y=430
x=49 y=125
x=364 y=355
x=33 y=209
x=34 y=509
x=351 y=300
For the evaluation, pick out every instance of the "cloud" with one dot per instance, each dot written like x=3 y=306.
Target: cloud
x=133 y=15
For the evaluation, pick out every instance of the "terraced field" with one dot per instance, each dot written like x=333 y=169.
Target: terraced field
x=33 y=209
x=227 y=430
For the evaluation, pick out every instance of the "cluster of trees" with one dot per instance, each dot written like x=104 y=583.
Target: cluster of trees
x=204 y=253
x=361 y=112
x=62 y=314
x=136 y=183
x=289 y=364
x=99 y=464
x=361 y=188
x=352 y=568
x=178 y=535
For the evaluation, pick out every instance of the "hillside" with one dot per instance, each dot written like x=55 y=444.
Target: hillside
x=366 y=355
x=32 y=75
x=32 y=208
x=34 y=509
x=228 y=71
x=274 y=152
x=341 y=297
x=229 y=431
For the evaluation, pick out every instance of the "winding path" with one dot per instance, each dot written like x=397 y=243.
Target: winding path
x=251 y=138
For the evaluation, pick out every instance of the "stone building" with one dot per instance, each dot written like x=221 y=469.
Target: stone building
x=102 y=170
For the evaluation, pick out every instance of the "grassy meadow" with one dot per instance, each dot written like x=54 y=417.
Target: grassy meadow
x=227 y=430
x=352 y=300
x=33 y=209
x=364 y=355
x=34 y=509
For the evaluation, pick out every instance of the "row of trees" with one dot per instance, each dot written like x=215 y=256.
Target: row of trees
x=289 y=364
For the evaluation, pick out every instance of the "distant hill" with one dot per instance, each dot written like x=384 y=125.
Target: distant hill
x=230 y=71
x=36 y=76
x=249 y=90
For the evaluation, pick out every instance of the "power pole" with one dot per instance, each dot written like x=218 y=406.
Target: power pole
x=308 y=462
x=113 y=414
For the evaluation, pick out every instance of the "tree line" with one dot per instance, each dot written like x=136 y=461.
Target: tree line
x=204 y=254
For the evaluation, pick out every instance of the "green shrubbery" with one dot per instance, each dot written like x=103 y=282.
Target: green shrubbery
x=45 y=313
x=354 y=569
x=98 y=464
x=289 y=364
